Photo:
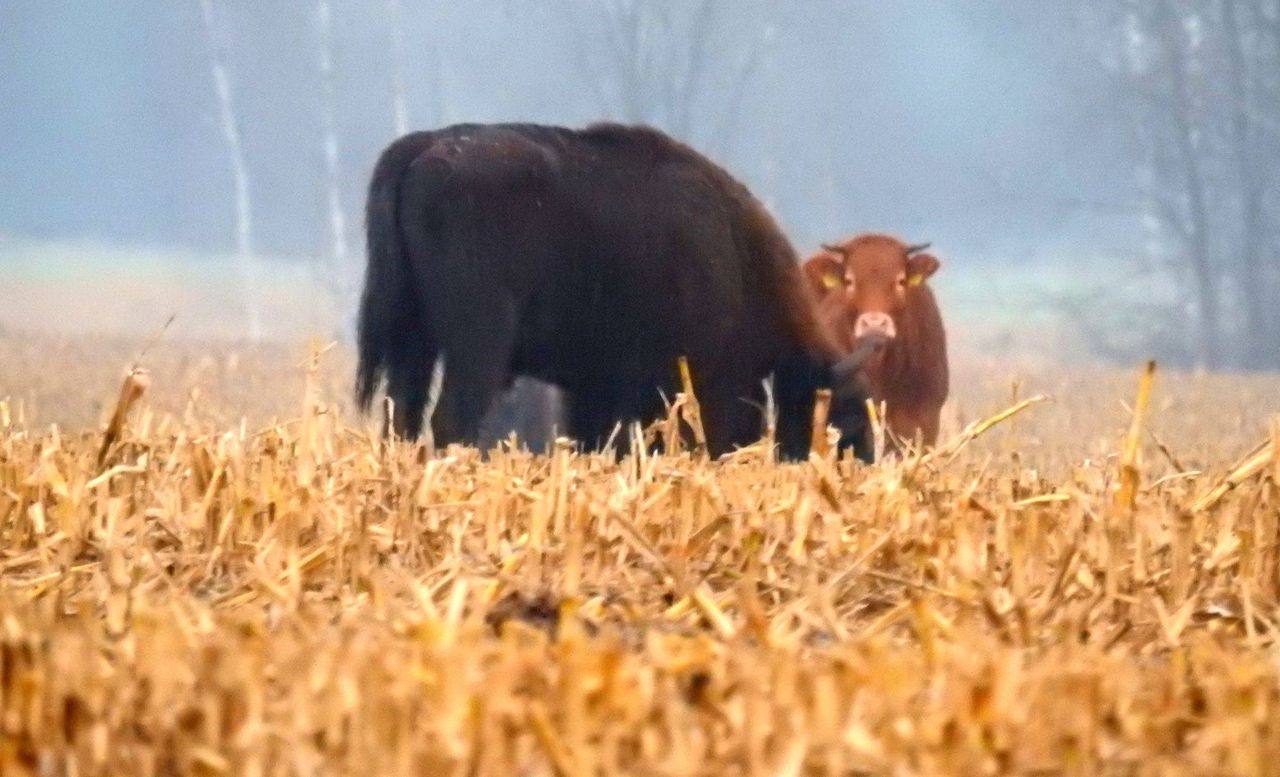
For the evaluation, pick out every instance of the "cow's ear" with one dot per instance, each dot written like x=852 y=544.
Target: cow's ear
x=824 y=271
x=920 y=267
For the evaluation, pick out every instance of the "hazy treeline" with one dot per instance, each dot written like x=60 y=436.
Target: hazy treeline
x=921 y=116
x=1198 y=85
x=1142 y=133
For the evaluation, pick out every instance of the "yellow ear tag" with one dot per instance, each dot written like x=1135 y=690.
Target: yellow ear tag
x=915 y=280
x=830 y=281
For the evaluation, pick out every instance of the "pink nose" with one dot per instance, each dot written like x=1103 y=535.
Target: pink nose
x=875 y=323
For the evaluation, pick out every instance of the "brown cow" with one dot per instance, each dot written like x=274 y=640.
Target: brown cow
x=874 y=286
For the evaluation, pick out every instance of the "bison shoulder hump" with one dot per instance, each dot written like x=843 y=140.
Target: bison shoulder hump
x=489 y=156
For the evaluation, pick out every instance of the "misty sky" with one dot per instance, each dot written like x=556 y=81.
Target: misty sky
x=945 y=120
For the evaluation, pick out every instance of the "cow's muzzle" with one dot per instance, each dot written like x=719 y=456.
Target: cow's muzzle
x=880 y=324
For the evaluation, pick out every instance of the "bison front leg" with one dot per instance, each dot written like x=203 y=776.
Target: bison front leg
x=591 y=415
x=732 y=417
x=600 y=411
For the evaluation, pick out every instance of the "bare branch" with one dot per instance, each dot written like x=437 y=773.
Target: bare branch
x=218 y=65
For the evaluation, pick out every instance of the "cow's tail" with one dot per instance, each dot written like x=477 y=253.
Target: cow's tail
x=391 y=320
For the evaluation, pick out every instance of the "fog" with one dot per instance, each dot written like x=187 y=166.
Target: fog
x=1100 y=168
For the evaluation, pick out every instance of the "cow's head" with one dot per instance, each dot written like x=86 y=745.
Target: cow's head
x=825 y=272
x=880 y=273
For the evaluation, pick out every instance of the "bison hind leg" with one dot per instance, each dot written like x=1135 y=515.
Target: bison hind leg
x=408 y=382
x=476 y=370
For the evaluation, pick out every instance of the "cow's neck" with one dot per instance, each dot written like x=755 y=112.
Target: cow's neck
x=897 y=371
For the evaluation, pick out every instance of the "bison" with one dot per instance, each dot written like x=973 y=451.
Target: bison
x=873 y=289
x=592 y=260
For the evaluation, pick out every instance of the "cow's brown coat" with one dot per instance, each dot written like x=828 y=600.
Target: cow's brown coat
x=873 y=273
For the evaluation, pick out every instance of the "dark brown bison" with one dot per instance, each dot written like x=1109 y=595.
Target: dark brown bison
x=873 y=288
x=589 y=259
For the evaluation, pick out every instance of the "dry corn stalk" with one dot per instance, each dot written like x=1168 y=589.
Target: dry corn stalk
x=690 y=411
x=1255 y=462
x=575 y=614
x=131 y=390
x=976 y=429
x=1129 y=474
x=821 y=410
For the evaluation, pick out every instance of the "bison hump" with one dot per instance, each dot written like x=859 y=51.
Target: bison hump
x=488 y=157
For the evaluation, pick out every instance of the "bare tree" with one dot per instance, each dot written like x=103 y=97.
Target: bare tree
x=1198 y=79
x=667 y=62
x=1252 y=280
x=1187 y=209
x=428 y=83
x=399 y=100
x=335 y=273
x=239 y=170
x=1267 y=93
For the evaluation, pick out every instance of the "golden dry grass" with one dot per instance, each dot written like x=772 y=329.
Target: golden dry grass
x=291 y=598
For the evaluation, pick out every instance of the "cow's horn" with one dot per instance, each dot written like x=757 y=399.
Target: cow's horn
x=833 y=249
x=917 y=248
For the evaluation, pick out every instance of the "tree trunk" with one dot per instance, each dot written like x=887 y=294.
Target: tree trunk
x=399 y=101
x=1172 y=34
x=1271 y=12
x=239 y=170
x=1252 y=294
x=335 y=274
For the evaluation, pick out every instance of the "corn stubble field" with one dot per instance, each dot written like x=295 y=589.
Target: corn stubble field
x=1055 y=590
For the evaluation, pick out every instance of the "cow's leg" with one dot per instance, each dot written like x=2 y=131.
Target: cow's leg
x=930 y=421
x=476 y=369
x=912 y=425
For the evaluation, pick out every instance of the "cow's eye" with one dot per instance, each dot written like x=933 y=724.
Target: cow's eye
x=902 y=281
